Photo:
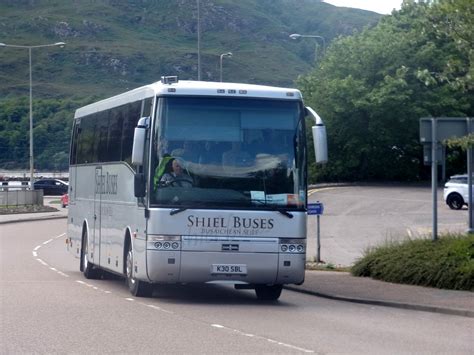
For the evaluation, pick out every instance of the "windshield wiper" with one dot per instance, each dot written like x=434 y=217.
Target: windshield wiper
x=284 y=212
x=281 y=210
x=178 y=210
x=182 y=209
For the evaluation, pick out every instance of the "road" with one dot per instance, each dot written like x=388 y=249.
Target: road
x=359 y=217
x=48 y=307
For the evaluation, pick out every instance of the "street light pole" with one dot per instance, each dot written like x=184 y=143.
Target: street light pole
x=199 y=38
x=297 y=36
x=32 y=169
x=58 y=44
x=228 y=54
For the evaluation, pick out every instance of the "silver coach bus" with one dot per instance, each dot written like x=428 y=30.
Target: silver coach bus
x=193 y=182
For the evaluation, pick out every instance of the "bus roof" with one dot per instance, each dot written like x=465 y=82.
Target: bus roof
x=205 y=88
x=192 y=88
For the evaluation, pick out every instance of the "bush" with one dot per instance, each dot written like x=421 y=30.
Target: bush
x=445 y=263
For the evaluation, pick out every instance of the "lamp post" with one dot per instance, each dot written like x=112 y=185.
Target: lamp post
x=297 y=36
x=58 y=44
x=199 y=38
x=228 y=54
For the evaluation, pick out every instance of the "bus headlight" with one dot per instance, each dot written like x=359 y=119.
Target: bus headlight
x=164 y=242
x=292 y=245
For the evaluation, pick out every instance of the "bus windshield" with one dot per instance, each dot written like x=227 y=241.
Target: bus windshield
x=228 y=153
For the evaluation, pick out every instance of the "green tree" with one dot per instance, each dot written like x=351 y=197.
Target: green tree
x=52 y=132
x=370 y=93
x=453 y=21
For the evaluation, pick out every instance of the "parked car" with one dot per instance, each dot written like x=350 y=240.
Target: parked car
x=456 y=192
x=64 y=200
x=52 y=186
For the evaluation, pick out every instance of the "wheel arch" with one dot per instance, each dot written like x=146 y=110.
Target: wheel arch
x=85 y=227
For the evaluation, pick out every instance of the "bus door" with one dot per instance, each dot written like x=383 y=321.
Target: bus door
x=96 y=234
x=73 y=160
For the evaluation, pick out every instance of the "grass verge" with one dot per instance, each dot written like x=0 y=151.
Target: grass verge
x=311 y=265
x=446 y=263
x=26 y=209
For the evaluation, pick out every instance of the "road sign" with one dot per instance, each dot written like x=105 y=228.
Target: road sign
x=315 y=208
x=433 y=131
x=447 y=127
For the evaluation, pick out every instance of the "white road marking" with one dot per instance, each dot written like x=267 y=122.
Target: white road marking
x=96 y=288
x=154 y=307
x=219 y=326
x=35 y=254
x=158 y=308
x=289 y=346
x=41 y=262
x=312 y=191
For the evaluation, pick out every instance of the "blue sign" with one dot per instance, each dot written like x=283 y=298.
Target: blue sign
x=315 y=208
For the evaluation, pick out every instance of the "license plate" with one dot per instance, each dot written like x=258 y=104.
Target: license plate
x=233 y=269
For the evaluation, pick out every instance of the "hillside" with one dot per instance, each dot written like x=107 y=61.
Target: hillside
x=114 y=45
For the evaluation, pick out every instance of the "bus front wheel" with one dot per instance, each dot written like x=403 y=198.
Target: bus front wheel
x=137 y=288
x=268 y=293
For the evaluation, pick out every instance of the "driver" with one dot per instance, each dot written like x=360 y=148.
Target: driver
x=177 y=176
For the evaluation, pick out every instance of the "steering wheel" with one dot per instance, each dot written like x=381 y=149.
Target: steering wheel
x=176 y=182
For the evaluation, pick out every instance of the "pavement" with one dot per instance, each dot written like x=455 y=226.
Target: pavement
x=342 y=286
x=26 y=217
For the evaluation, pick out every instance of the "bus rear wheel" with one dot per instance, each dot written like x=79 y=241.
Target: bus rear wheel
x=87 y=268
x=268 y=293
x=137 y=288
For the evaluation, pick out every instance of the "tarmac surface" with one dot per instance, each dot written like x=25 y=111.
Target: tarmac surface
x=343 y=286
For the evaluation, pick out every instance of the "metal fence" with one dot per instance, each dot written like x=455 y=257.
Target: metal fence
x=19 y=196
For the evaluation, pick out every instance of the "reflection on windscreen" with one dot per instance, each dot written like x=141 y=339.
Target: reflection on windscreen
x=229 y=153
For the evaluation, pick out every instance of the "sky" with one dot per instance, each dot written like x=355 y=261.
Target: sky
x=381 y=6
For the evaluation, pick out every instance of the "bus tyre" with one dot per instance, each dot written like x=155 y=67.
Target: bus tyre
x=87 y=268
x=137 y=288
x=268 y=293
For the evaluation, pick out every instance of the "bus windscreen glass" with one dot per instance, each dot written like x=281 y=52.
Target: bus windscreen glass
x=228 y=153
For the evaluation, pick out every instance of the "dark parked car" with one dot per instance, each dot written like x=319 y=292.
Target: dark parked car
x=52 y=186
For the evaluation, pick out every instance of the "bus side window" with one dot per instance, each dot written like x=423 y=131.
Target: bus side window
x=75 y=138
x=115 y=133
x=87 y=138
